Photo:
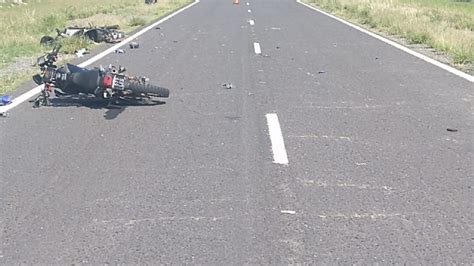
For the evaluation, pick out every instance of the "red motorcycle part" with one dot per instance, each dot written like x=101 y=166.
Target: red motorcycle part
x=107 y=81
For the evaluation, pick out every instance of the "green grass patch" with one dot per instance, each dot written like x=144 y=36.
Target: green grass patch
x=137 y=21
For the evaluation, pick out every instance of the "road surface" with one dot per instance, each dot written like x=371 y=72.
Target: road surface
x=373 y=174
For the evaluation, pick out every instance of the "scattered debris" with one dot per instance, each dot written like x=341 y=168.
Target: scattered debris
x=158 y=28
x=275 y=28
x=321 y=72
x=81 y=52
x=251 y=93
x=228 y=85
x=175 y=41
x=310 y=74
x=6 y=99
x=265 y=55
x=151 y=2
x=120 y=51
x=134 y=45
x=278 y=47
x=287 y=212
x=452 y=130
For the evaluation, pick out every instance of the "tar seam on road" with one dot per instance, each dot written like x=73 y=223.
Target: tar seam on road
x=276 y=137
x=256 y=47
x=27 y=95
x=452 y=70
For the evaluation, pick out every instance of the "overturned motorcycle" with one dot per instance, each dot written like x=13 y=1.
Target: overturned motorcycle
x=107 y=83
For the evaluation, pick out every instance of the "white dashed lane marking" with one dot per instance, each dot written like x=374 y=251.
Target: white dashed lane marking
x=276 y=137
x=256 y=47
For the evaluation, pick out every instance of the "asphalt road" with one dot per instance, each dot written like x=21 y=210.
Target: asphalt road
x=373 y=175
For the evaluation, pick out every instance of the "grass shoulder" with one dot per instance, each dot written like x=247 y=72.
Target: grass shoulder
x=444 y=25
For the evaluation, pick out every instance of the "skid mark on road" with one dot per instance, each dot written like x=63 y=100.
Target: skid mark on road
x=372 y=216
x=336 y=138
x=211 y=201
x=353 y=107
x=130 y=222
x=324 y=184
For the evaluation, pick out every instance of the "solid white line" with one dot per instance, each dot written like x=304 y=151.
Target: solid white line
x=276 y=137
x=25 y=96
x=251 y=22
x=396 y=45
x=256 y=47
x=250 y=11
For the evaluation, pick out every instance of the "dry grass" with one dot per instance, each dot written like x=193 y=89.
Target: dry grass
x=444 y=25
x=22 y=26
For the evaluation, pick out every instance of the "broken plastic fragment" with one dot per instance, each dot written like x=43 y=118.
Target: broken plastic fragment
x=81 y=52
x=6 y=99
x=134 y=45
x=120 y=51
x=288 y=212
x=228 y=85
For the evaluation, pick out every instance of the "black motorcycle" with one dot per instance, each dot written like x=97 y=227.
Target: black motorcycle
x=108 y=83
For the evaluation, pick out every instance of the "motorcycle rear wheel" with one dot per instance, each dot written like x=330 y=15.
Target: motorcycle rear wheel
x=148 y=89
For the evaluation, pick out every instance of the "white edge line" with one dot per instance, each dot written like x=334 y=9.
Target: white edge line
x=276 y=137
x=397 y=45
x=27 y=95
x=256 y=47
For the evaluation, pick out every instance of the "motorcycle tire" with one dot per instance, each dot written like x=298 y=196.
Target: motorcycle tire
x=148 y=89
